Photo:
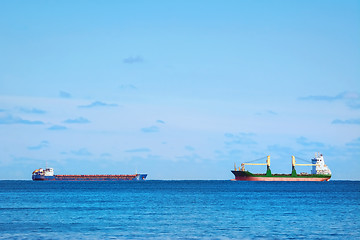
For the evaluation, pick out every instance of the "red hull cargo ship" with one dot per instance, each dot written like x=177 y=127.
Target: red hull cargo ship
x=320 y=172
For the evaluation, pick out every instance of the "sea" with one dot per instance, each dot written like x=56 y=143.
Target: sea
x=179 y=210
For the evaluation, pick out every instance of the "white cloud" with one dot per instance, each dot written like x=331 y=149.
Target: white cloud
x=81 y=152
x=132 y=60
x=43 y=144
x=64 y=94
x=240 y=138
x=79 y=120
x=9 y=119
x=151 y=129
x=57 y=127
x=99 y=104
x=138 y=150
x=32 y=110
x=348 y=121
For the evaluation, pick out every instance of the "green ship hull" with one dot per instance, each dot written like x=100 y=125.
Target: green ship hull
x=320 y=172
x=248 y=176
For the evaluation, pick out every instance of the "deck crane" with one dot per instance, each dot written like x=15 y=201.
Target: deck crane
x=268 y=171
x=293 y=173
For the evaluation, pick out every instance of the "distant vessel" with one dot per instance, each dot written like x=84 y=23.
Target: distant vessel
x=48 y=175
x=320 y=172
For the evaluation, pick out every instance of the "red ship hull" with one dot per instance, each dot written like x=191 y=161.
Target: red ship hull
x=247 y=176
x=281 y=179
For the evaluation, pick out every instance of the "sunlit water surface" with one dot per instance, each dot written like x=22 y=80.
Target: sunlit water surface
x=179 y=210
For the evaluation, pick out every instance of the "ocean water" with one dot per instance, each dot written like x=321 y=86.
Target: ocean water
x=179 y=210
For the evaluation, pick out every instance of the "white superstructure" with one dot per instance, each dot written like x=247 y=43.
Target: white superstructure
x=320 y=167
x=44 y=172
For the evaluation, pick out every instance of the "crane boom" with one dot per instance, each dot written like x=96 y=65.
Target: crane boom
x=253 y=164
x=257 y=164
x=301 y=164
x=293 y=173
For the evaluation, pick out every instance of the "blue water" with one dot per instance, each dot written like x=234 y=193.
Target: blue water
x=179 y=210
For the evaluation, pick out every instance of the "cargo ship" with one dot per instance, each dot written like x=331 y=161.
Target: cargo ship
x=48 y=175
x=319 y=172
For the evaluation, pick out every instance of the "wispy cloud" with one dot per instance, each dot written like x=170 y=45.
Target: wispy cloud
x=99 y=104
x=131 y=60
x=306 y=143
x=190 y=158
x=43 y=144
x=348 y=121
x=271 y=112
x=340 y=96
x=239 y=138
x=160 y=121
x=81 y=152
x=32 y=110
x=280 y=150
x=229 y=154
x=354 y=104
x=321 y=98
x=9 y=119
x=57 y=127
x=25 y=160
x=127 y=87
x=138 y=150
x=79 y=120
x=189 y=148
x=354 y=143
x=268 y=112
x=352 y=99
x=150 y=129
x=153 y=128
x=64 y=94
x=105 y=155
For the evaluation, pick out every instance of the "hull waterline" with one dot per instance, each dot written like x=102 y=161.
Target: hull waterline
x=281 y=179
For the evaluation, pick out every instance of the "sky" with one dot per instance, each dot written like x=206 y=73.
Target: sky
x=178 y=89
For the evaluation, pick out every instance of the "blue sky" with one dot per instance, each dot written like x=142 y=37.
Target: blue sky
x=178 y=89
